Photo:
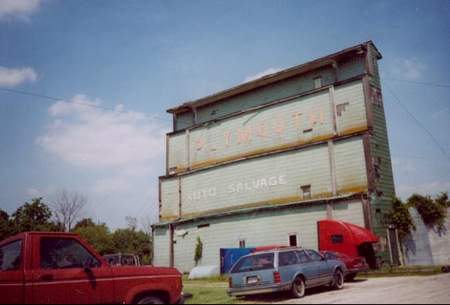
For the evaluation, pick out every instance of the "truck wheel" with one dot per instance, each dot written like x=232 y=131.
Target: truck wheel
x=298 y=288
x=150 y=300
x=338 y=280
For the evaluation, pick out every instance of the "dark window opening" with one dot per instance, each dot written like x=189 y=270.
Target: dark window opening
x=318 y=82
x=307 y=130
x=306 y=191
x=293 y=240
x=337 y=239
x=340 y=109
x=242 y=243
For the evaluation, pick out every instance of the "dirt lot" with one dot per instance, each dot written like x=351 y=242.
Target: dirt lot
x=395 y=290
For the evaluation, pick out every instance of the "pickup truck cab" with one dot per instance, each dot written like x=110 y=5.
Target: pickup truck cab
x=61 y=268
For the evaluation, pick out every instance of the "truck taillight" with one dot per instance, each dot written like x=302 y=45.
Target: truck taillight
x=277 y=277
x=230 y=282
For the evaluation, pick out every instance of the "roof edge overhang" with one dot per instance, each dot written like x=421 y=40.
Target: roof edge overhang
x=273 y=78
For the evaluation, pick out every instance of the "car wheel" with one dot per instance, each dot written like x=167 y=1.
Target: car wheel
x=150 y=300
x=298 y=288
x=338 y=280
x=350 y=277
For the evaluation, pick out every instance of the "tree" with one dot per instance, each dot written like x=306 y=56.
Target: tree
x=131 y=241
x=400 y=217
x=34 y=216
x=86 y=222
x=99 y=236
x=68 y=208
x=198 y=251
x=5 y=226
x=432 y=211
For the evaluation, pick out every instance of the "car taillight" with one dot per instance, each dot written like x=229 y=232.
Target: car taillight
x=230 y=282
x=277 y=277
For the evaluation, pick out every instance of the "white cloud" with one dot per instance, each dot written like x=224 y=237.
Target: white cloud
x=122 y=150
x=96 y=138
x=261 y=74
x=14 y=77
x=408 y=68
x=18 y=9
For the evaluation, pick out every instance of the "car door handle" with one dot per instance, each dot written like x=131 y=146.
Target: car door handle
x=46 y=278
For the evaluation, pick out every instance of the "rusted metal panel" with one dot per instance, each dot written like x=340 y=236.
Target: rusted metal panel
x=277 y=179
x=304 y=120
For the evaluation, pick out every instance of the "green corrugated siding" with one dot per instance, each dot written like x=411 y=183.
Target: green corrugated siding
x=257 y=229
x=275 y=179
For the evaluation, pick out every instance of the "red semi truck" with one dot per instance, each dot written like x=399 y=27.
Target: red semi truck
x=61 y=268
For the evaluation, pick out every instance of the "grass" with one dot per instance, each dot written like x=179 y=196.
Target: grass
x=403 y=271
x=208 y=293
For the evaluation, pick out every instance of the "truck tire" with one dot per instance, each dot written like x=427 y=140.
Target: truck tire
x=150 y=300
x=298 y=288
x=338 y=280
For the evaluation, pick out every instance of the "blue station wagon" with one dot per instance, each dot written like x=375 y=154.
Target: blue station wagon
x=290 y=269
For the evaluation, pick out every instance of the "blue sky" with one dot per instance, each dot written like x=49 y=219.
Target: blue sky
x=141 y=57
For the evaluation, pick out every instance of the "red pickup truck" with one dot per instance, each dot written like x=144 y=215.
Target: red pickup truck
x=61 y=268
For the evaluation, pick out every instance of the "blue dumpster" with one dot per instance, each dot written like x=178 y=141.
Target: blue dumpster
x=228 y=257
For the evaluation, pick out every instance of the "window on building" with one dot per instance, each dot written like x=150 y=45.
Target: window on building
x=306 y=191
x=318 y=82
x=242 y=243
x=293 y=240
x=337 y=239
x=340 y=109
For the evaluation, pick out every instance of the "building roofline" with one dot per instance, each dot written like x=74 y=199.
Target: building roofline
x=272 y=78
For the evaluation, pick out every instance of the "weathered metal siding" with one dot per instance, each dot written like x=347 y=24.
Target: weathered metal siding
x=350 y=108
x=170 y=199
x=257 y=229
x=161 y=247
x=352 y=212
x=274 y=179
x=296 y=85
x=379 y=148
x=303 y=120
x=351 y=174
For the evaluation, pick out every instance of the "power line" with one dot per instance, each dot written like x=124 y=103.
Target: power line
x=418 y=82
x=441 y=147
x=58 y=99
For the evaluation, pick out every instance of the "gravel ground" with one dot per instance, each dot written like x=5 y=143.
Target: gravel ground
x=393 y=290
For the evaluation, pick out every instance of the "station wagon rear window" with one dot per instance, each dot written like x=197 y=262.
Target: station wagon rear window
x=255 y=263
